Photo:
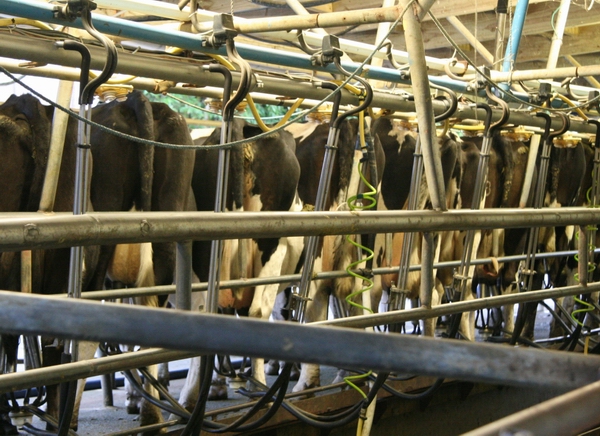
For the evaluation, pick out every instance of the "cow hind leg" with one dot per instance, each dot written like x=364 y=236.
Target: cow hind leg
x=150 y=413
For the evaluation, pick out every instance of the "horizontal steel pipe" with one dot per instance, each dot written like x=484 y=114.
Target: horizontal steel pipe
x=125 y=30
x=393 y=317
x=243 y=283
x=88 y=368
x=45 y=52
x=323 y=20
x=200 y=333
x=20 y=231
x=571 y=413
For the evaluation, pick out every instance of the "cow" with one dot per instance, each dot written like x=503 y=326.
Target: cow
x=160 y=180
x=498 y=188
x=130 y=175
x=560 y=189
x=399 y=144
x=25 y=129
x=334 y=252
x=263 y=176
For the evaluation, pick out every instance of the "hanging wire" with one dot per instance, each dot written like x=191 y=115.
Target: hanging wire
x=229 y=144
x=507 y=93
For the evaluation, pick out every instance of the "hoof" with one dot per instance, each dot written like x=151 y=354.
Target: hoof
x=295 y=373
x=300 y=387
x=132 y=406
x=272 y=367
x=217 y=393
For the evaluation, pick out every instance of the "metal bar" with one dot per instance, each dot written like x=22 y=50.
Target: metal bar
x=363 y=321
x=183 y=279
x=32 y=230
x=591 y=80
x=427 y=258
x=60 y=121
x=312 y=21
x=424 y=109
x=512 y=48
x=559 y=30
x=466 y=33
x=87 y=368
x=242 y=283
x=126 y=29
x=185 y=72
x=501 y=10
x=571 y=413
x=583 y=259
x=206 y=18
x=477 y=362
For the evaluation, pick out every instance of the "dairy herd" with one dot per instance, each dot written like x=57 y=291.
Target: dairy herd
x=282 y=172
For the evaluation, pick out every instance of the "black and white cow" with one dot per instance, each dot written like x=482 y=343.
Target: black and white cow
x=120 y=170
x=399 y=145
x=334 y=252
x=25 y=130
x=263 y=176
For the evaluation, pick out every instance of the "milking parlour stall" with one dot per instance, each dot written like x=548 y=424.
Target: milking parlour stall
x=299 y=217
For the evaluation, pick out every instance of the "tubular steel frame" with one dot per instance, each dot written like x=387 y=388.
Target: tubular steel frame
x=29 y=314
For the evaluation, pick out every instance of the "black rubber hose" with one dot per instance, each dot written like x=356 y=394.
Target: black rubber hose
x=279 y=386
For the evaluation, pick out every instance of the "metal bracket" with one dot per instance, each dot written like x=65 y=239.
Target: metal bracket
x=73 y=9
x=330 y=50
x=223 y=29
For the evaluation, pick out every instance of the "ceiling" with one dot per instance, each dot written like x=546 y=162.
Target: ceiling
x=581 y=41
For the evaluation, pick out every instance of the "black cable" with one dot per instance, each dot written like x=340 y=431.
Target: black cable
x=279 y=386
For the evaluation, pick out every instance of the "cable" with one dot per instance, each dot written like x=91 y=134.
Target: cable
x=216 y=146
x=507 y=93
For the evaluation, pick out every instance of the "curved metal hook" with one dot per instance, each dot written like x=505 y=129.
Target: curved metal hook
x=245 y=80
x=336 y=99
x=110 y=66
x=366 y=102
x=304 y=45
x=505 y=112
x=84 y=74
x=488 y=116
x=452 y=105
x=597 y=124
x=548 y=134
x=566 y=123
x=548 y=119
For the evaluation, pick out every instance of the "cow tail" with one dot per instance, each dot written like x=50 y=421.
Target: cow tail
x=145 y=123
x=504 y=150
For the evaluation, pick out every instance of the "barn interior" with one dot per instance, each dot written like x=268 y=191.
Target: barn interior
x=469 y=71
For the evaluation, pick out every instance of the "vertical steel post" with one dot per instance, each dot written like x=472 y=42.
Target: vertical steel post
x=424 y=108
x=183 y=278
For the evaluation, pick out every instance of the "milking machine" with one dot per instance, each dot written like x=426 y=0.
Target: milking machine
x=330 y=53
x=72 y=10
x=527 y=268
x=461 y=276
x=399 y=291
x=223 y=34
x=586 y=238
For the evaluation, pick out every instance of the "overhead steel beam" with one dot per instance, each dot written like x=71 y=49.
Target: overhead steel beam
x=346 y=348
x=125 y=30
x=20 y=231
x=148 y=68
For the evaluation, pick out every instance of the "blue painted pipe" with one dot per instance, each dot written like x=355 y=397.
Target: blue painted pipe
x=512 y=48
x=142 y=32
